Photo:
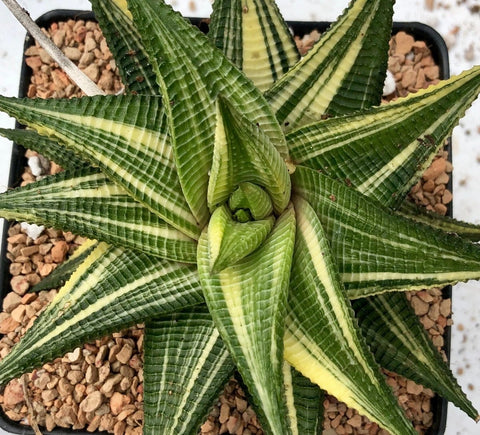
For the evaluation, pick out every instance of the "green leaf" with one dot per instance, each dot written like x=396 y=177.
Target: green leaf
x=119 y=287
x=377 y=251
x=322 y=339
x=383 y=152
x=63 y=271
x=47 y=147
x=243 y=153
x=419 y=214
x=125 y=136
x=247 y=303
x=400 y=344
x=254 y=36
x=304 y=403
x=87 y=203
x=343 y=73
x=186 y=367
x=230 y=241
x=218 y=73
x=126 y=45
x=190 y=117
x=251 y=197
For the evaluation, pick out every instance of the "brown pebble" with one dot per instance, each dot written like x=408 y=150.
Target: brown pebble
x=403 y=43
x=437 y=167
x=20 y=284
x=420 y=307
x=125 y=354
x=8 y=325
x=92 y=402
x=11 y=301
x=59 y=251
x=224 y=413
x=13 y=393
x=18 y=313
x=413 y=388
x=117 y=402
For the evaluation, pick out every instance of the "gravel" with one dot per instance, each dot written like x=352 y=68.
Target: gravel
x=99 y=386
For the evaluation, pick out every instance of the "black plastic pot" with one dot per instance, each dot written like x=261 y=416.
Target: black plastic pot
x=420 y=32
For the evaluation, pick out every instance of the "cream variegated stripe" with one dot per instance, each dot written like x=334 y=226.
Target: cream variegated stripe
x=182 y=377
x=374 y=181
x=190 y=115
x=401 y=345
x=30 y=139
x=123 y=6
x=243 y=153
x=225 y=29
x=192 y=377
x=290 y=399
x=302 y=352
x=305 y=355
x=220 y=76
x=339 y=312
x=342 y=146
x=402 y=256
x=333 y=137
x=87 y=203
x=390 y=316
x=59 y=276
x=321 y=319
x=153 y=143
x=371 y=282
x=407 y=243
x=126 y=45
x=304 y=402
x=329 y=81
x=416 y=213
x=120 y=286
x=130 y=164
x=268 y=48
x=310 y=87
x=247 y=302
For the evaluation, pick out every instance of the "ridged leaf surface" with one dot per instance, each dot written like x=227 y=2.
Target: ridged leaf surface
x=87 y=203
x=49 y=148
x=247 y=302
x=243 y=153
x=378 y=251
x=230 y=241
x=217 y=72
x=186 y=367
x=60 y=275
x=344 y=72
x=384 y=151
x=254 y=36
x=190 y=115
x=126 y=45
x=400 y=344
x=304 y=403
x=125 y=136
x=418 y=214
x=322 y=339
x=118 y=286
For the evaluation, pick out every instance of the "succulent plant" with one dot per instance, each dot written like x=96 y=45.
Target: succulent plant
x=248 y=205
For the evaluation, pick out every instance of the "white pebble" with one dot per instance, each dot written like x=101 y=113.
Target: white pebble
x=33 y=230
x=35 y=165
x=389 y=85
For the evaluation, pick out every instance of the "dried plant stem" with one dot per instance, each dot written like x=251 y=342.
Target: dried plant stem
x=75 y=74
x=32 y=420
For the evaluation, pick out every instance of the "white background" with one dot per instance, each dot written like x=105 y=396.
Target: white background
x=459 y=26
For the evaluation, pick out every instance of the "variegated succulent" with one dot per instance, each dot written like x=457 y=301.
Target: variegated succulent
x=248 y=205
